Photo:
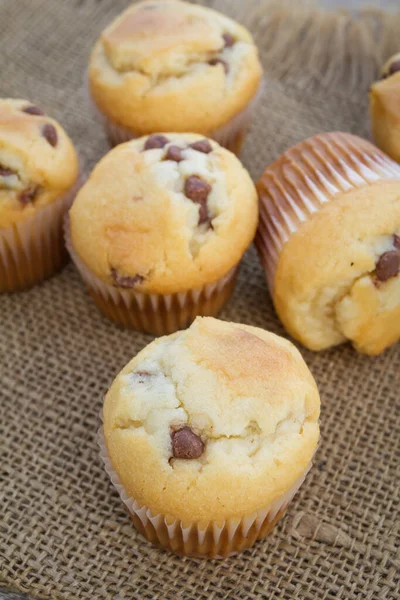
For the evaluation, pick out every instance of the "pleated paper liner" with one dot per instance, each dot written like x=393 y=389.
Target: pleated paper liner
x=33 y=249
x=231 y=135
x=305 y=178
x=206 y=540
x=154 y=313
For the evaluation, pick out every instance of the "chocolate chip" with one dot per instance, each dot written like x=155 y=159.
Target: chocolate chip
x=186 y=444
x=228 y=39
x=6 y=172
x=196 y=189
x=26 y=196
x=394 y=67
x=155 y=141
x=202 y=146
x=396 y=241
x=219 y=61
x=142 y=374
x=388 y=265
x=50 y=134
x=125 y=281
x=33 y=110
x=174 y=153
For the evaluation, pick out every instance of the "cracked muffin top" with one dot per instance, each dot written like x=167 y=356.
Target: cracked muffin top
x=173 y=66
x=38 y=162
x=213 y=422
x=164 y=214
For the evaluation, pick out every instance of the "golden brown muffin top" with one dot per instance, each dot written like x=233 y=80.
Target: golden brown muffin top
x=164 y=214
x=213 y=422
x=173 y=66
x=38 y=162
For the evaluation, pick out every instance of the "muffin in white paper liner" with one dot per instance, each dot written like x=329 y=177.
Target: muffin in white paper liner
x=176 y=67
x=331 y=201
x=231 y=135
x=158 y=314
x=206 y=540
x=33 y=249
x=207 y=435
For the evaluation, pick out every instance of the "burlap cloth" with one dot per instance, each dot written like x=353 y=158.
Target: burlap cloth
x=64 y=533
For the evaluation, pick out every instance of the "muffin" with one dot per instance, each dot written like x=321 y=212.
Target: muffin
x=208 y=433
x=38 y=178
x=173 y=66
x=329 y=241
x=384 y=99
x=159 y=229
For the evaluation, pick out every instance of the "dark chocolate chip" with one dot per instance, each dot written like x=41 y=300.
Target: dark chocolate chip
x=394 y=67
x=219 y=61
x=388 y=265
x=202 y=146
x=228 y=39
x=33 y=110
x=26 y=196
x=6 y=172
x=174 y=153
x=49 y=132
x=186 y=444
x=196 y=189
x=155 y=141
x=396 y=241
x=125 y=281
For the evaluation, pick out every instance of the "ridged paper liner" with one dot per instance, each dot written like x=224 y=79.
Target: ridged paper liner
x=231 y=135
x=305 y=178
x=159 y=314
x=33 y=249
x=215 y=539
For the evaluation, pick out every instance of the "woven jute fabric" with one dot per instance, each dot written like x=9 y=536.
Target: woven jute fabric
x=64 y=533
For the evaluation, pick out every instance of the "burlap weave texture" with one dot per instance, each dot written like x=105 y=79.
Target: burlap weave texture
x=63 y=531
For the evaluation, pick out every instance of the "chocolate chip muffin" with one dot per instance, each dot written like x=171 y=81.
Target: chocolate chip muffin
x=329 y=240
x=384 y=99
x=38 y=176
x=159 y=229
x=208 y=434
x=169 y=65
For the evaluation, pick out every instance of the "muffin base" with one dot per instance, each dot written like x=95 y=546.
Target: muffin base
x=33 y=250
x=231 y=135
x=159 y=314
x=205 y=540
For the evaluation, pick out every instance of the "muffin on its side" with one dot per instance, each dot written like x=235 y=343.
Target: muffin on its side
x=329 y=241
x=159 y=229
x=208 y=434
x=38 y=178
x=384 y=101
x=173 y=66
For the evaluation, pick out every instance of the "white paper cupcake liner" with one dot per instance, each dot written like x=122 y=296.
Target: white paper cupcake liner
x=33 y=249
x=159 y=314
x=307 y=177
x=230 y=135
x=208 y=540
